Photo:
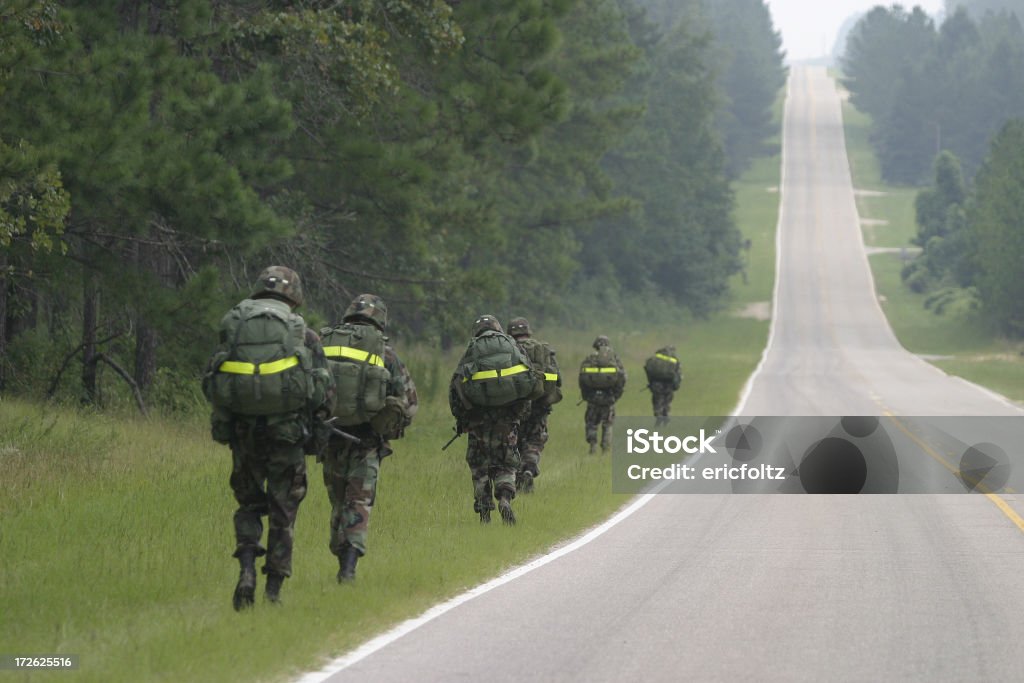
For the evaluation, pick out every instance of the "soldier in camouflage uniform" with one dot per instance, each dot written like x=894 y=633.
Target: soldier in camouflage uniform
x=268 y=474
x=351 y=469
x=601 y=404
x=533 y=434
x=492 y=453
x=662 y=389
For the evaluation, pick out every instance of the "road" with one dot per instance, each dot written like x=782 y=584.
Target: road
x=772 y=587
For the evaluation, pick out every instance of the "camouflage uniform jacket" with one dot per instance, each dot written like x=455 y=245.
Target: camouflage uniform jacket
x=403 y=389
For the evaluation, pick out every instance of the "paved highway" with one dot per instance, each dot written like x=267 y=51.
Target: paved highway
x=772 y=587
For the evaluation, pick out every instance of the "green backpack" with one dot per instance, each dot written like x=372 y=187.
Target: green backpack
x=494 y=372
x=662 y=367
x=263 y=366
x=600 y=372
x=355 y=355
x=543 y=358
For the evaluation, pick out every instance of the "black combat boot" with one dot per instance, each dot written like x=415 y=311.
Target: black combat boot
x=347 y=563
x=593 y=447
x=505 y=508
x=274 y=581
x=485 y=516
x=245 y=591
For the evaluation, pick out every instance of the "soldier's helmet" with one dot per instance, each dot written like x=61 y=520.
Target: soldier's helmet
x=484 y=323
x=601 y=341
x=279 y=281
x=370 y=308
x=519 y=327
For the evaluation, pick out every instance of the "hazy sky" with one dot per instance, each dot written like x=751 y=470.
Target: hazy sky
x=809 y=27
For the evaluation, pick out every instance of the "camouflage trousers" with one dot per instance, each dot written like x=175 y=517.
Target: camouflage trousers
x=493 y=459
x=661 y=399
x=533 y=435
x=350 y=475
x=268 y=478
x=599 y=416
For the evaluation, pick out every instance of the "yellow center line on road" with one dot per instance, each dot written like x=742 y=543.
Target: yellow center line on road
x=1003 y=506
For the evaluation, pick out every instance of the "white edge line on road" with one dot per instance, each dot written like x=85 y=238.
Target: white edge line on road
x=385 y=639
x=408 y=626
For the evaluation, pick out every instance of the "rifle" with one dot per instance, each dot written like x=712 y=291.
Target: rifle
x=345 y=435
x=458 y=433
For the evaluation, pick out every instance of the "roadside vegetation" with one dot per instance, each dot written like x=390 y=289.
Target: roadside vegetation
x=959 y=339
x=945 y=116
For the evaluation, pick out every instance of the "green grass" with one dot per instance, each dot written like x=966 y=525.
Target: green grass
x=961 y=342
x=116 y=534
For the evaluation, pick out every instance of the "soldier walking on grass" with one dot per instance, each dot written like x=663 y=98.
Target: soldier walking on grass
x=664 y=377
x=376 y=400
x=602 y=381
x=533 y=433
x=269 y=387
x=489 y=395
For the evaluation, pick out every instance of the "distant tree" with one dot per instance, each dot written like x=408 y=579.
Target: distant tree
x=879 y=50
x=953 y=93
x=750 y=73
x=997 y=225
x=978 y=8
x=946 y=258
x=683 y=242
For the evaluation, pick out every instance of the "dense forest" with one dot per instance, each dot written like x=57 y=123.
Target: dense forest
x=947 y=105
x=933 y=87
x=544 y=157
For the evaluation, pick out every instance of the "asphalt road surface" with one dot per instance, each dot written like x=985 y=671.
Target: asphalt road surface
x=776 y=587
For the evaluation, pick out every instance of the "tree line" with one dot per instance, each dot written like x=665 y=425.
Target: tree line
x=950 y=107
x=453 y=157
x=933 y=87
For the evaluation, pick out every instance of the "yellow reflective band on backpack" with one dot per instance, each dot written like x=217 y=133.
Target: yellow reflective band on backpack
x=493 y=374
x=662 y=356
x=239 y=368
x=605 y=370
x=551 y=376
x=353 y=354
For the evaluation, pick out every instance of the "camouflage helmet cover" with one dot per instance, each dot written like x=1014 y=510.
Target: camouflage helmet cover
x=484 y=323
x=601 y=341
x=279 y=281
x=368 y=306
x=519 y=327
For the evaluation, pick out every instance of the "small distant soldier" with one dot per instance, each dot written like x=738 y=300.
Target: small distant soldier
x=489 y=396
x=533 y=434
x=270 y=389
x=664 y=376
x=376 y=400
x=602 y=381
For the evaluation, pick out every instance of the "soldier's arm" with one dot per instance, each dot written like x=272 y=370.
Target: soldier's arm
x=401 y=385
x=554 y=364
x=312 y=342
